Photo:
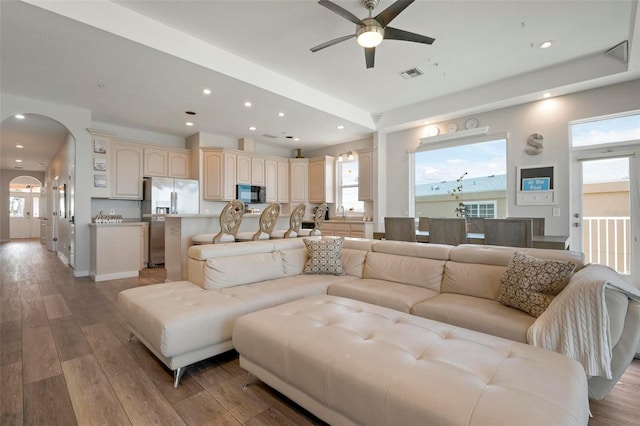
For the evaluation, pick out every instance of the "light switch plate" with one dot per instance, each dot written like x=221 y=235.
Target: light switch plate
x=556 y=211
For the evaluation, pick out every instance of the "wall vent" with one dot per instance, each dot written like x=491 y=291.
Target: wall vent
x=267 y=135
x=412 y=73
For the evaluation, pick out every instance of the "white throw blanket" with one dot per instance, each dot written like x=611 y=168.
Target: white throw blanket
x=576 y=323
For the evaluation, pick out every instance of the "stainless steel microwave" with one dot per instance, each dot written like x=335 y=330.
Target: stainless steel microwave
x=251 y=194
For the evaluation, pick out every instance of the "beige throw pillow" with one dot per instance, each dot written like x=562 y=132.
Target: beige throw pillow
x=530 y=284
x=324 y=256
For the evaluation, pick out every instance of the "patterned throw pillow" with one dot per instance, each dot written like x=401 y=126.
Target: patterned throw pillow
x=530 y=284
x=324 y=256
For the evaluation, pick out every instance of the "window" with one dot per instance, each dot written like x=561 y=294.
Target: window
x=605 y=130
x=472 y=173
x=348 y=186
x=485 y=209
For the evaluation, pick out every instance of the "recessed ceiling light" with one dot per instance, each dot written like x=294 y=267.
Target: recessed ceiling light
x=544 y=45
x=247 y=104
x=281 y=114
x=41 y=164
x=296 y=139
x=190 y=113
x=19 y=116
x=206 y=91
x=252 y=128
x=188 y=123
x=19 y=146
x=18 y=161
x=546 y=95
x=340 y=127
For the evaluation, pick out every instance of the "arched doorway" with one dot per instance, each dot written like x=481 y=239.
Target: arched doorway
x=25 y=209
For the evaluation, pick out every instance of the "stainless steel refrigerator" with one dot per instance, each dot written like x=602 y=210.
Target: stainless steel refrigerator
x=164 y=196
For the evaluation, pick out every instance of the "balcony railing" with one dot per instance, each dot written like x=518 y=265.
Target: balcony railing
x=605 y=240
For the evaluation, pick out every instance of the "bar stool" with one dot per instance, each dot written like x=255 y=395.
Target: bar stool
x=230 y=219
x=295 y=221
x=318 y=220
x=268 y=219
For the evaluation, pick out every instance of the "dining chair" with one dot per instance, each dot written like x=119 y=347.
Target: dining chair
x=538 y=224
x=423 y=224
x=266 y=223
x=451 y=231
x=230 y=219
x=508 y=232
x=400 y=228
x=318 y=220
x=295 y=221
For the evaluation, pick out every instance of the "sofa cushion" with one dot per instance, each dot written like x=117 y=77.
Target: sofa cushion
x=474 y=313
x=417 y=271
x=324 y=256
x=353 y=261
x=294 y=260
x=230 y=271
x=403 y=248
x=400 y=297
x=472 y=279
x=530 y=284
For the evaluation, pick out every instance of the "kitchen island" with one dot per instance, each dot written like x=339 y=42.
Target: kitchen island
x=179 y=228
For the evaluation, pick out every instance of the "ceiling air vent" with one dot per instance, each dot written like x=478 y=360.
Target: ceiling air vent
x=267 y=135
x=412 y=73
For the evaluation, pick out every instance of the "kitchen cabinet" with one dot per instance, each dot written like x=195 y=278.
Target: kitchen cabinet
x=355 y=229
x=219 y=175
x=160 y=162
x=243 y=168
x=365 y=175
x=258 y=171
x=299 y=180
x=283 y=181
x=126 y=173
x=322 y=179
x=271 y=180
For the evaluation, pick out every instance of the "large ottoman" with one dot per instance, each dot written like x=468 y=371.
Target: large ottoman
x=349 y=362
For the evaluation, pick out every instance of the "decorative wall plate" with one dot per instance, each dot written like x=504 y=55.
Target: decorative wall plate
x=471 y=123
x=452 y=127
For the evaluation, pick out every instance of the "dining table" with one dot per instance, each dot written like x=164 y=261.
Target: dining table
x=554 y=242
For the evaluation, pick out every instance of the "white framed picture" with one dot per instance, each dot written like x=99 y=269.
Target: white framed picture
x=99 y=147
x=100 y=164
x=100 y=181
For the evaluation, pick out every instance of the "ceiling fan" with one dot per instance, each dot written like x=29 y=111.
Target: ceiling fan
x=372 y=30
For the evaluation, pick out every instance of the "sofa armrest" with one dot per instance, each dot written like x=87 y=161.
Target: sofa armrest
x=581 y=321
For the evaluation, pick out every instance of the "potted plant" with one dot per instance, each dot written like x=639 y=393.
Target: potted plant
x=461 y=209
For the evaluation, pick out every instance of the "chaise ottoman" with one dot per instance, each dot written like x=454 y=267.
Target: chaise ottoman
x=350 y=362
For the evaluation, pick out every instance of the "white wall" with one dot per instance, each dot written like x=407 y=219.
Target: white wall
x=141 y=135
x=550 y=117
x=76 y=120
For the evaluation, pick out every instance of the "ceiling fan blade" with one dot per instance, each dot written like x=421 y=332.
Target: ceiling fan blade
x=396 y=34
x=369 y=56
x=332 y=42
x=392 y=11
x=340 y=11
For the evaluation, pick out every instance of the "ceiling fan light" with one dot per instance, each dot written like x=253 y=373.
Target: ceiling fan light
x=370 y=34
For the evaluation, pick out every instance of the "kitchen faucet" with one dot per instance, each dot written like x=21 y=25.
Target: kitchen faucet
x=341 y=210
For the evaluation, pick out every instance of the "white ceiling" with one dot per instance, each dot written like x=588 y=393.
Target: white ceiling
x=142 y=64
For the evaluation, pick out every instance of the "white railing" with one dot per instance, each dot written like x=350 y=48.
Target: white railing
x=605 y=240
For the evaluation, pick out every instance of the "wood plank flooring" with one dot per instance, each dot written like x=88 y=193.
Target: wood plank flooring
x=65 y=360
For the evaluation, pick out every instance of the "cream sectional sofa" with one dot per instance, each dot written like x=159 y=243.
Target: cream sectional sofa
x=187 y=321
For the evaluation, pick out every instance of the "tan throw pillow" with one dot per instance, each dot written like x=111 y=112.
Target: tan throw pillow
x=324 y=256
x=530 y=284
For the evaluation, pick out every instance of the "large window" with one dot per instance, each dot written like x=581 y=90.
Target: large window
x=461 y=179
x=613 y=129
x=348 y=186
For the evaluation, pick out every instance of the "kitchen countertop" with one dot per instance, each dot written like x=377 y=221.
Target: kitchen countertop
x=119 y=224
x=346 y=221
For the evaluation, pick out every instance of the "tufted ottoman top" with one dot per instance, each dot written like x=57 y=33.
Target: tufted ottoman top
x=371 y=365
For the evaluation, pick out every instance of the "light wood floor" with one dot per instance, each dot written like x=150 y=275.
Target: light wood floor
x=64 y=359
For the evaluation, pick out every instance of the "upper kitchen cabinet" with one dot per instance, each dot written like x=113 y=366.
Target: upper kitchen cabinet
x=322 y=179
x=126 y=175
x=243 y=169
x=258 y=171
x=219 y=174
x=277 y=180
x=299 y=180
x=160 y=162
x=365 y=175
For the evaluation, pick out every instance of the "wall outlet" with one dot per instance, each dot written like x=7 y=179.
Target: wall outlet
x=112 y=211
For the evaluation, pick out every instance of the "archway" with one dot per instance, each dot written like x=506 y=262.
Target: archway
x=25 y=208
